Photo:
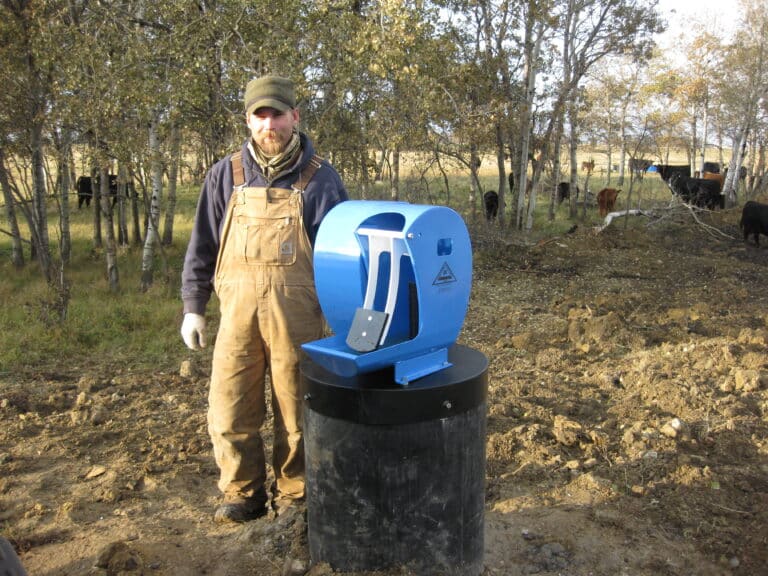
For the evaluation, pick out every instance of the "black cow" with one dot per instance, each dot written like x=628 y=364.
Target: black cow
x=712 y=167
x=491 y=204
x=666 y=171
x=697 y=191
x=754 y=220
x=85 y=186
x=84 y=191
x=564 y=192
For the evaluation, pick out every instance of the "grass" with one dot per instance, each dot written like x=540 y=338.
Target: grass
x=44 y=328
x=141 y=329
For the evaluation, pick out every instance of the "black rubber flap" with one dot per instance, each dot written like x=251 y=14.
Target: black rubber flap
x=376 y=399
x=366 y=330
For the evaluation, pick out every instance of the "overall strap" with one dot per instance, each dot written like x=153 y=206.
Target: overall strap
x=306 y=174
x=238 y=172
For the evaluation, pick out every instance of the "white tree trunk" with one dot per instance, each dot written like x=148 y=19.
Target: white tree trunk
x=731 y=183
x=556 y=169
x=623 y=150
x=156 y=182
x=40 y=212
x=173 y=169
x=65 y=248
x=110 y=251
x=533 y=48
x=704 y=128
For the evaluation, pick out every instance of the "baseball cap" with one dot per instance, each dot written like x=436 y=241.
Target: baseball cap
x=269 y=92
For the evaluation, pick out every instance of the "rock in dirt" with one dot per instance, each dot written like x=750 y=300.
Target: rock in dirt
x=118 y=558
x=294 y=567
x=672 y=428
x=755 y=337
x=191 y=369
x=88 y=383
x=99 y=415
x=749 y=380
x=186 y=370
x=95 y=471
x=566 y=432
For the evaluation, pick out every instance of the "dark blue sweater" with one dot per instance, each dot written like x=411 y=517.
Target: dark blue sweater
x=323 y=192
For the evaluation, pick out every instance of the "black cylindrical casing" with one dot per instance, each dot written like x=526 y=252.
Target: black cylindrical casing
x=396 y=474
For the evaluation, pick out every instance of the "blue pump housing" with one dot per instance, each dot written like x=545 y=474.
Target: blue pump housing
x=393 y=280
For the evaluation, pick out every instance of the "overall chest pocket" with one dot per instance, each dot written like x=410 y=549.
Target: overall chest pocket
x=266 y=240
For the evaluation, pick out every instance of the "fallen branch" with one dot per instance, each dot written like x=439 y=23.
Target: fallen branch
x=675 y=208
x=612 y=215
x=711 y=230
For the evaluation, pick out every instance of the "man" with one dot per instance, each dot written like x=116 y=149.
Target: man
x=257 y=218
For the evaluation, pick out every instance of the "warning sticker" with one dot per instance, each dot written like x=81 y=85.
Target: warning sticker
x=445 y=276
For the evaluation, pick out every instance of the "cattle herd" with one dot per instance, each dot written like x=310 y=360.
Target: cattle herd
x=704 y=192
x=86 y=185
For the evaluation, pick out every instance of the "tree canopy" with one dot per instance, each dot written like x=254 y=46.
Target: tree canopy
x=447 y=79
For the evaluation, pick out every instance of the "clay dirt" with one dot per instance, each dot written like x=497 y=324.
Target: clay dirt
x=627 y=422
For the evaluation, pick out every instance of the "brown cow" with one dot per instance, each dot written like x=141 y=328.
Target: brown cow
x=606 y=200
x=588 y=166
x=713 y=176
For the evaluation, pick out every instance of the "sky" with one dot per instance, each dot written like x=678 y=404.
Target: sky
x=688 y=17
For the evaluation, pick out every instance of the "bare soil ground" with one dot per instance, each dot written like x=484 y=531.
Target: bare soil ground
x=627 y=425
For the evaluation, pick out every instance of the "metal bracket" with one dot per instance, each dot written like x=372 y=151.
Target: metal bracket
x=379 y=242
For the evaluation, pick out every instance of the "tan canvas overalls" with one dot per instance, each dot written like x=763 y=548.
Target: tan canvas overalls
x=265 y=284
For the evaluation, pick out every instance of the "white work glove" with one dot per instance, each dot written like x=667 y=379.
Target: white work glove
x=193 y=331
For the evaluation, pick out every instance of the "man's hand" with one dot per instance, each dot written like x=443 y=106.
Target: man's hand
x=193 y=331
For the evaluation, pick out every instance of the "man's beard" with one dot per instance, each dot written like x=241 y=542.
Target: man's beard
x=271 y=143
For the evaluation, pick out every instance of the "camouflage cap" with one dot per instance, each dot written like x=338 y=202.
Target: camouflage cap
x=269 y=92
